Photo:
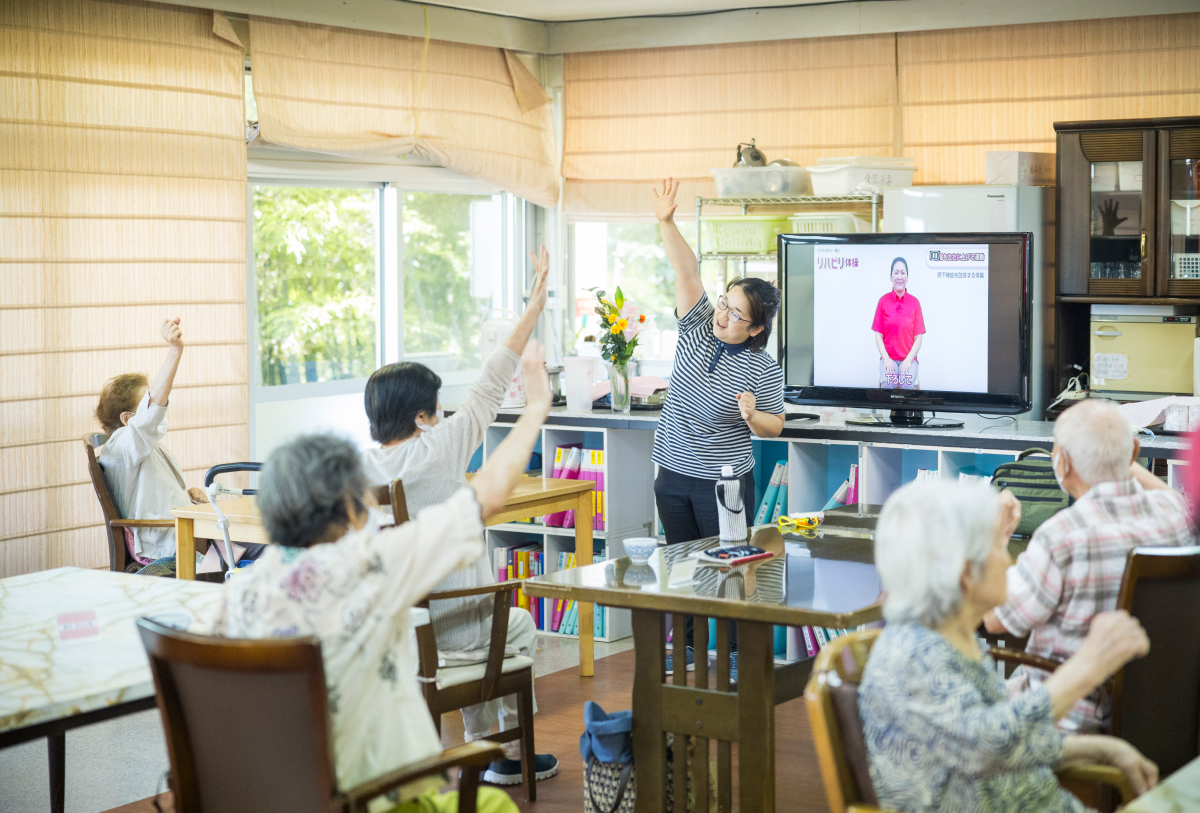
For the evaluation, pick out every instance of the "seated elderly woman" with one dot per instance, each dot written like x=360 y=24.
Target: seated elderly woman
x=942 y=733
x=334 y=574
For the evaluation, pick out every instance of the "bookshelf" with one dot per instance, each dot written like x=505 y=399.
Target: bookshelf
x=628 y=504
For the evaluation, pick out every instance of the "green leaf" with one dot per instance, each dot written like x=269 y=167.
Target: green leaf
x=620 y=298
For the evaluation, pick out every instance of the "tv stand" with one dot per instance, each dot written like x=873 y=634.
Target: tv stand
x=906 y=419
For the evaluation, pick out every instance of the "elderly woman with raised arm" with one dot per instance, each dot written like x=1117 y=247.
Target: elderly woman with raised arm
x=942 y=733
x=334 y=574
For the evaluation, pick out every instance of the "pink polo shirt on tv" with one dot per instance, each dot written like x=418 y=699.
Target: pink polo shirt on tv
x=900 y=321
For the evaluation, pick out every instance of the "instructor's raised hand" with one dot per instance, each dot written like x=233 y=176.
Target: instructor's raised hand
x=541 y=270
x=664 y=200
x=171 y=332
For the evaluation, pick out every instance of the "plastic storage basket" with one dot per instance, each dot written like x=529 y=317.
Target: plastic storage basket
x=747 y=234
x=762 y=182
x=828 y=223
x=1187 y=266
x=842 y=179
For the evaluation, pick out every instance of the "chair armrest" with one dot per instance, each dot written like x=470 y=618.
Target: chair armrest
x=867 y=809
x=1024 y=659
x=475 y=754
x=482 y=590
x=142 y=523
x=1101 y=774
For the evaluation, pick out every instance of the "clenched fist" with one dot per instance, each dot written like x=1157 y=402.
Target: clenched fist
x=746 y=404
x=171 y=333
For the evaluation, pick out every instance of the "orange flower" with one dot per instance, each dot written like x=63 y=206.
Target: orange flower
x=642 y=318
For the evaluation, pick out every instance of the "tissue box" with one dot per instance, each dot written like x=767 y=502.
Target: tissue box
x=1021 y=168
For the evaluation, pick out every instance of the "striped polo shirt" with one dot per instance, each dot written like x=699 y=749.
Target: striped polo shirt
x=701 y=428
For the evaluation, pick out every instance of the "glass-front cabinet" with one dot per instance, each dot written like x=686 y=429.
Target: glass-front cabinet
x=1180 y=229
x=1129 y=208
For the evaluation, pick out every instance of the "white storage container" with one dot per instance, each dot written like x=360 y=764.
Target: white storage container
x=762 y=182
x=1104 y=176
x=841 y=179
x=829 y=223
x=1130 y=175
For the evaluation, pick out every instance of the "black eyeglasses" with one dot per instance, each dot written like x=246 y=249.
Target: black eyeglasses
x=734 y=316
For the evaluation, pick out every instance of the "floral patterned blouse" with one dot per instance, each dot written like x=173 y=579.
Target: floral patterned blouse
x=943 y=735
x=354 y=595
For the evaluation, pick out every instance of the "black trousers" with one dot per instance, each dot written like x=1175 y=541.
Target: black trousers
x=687 y=507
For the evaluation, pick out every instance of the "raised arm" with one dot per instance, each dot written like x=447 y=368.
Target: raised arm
x=160 y=387
x=505 y=466
x=517 y=340
x=688 y=287
x=1113 y=640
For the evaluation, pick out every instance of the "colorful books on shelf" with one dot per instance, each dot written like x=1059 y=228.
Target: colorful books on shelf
x=592 y=469
x=852 y=496
x=839 y=498
x=928 y=475
x=567 y=462
x=771 y=495
x=981 y=479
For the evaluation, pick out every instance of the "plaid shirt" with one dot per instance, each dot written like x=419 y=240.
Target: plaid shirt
x=1072 y=570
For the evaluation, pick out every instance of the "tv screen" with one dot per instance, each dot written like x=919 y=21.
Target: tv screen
x=910 y=322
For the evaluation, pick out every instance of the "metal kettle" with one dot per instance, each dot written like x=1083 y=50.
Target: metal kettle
x=749 y=155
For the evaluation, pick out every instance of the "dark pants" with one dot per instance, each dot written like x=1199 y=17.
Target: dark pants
x=687 y=507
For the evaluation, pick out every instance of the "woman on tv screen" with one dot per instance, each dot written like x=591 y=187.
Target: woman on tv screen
x=899 y=328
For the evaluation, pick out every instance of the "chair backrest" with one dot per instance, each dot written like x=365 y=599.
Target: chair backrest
x=246 y=721
x=832 y=700
x=399 y=502
x=116 y=538
x=1156 y=699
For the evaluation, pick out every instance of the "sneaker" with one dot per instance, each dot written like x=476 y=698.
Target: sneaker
x=691 y=661
x=508 y=771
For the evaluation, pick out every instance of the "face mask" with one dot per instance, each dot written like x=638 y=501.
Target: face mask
x=1054 y=467
x=441 y=415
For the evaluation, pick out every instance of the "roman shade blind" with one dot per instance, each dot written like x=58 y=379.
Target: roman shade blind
x=966 y=91
x=633 y=117
x=122 y=201
x=469 y=108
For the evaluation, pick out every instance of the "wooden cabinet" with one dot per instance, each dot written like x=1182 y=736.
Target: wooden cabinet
x=1128 y=195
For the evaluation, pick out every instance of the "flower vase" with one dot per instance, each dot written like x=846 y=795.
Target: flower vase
x=618 y=377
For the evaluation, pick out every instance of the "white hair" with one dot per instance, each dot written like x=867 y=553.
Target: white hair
x=927 y=533
x=1098 y=439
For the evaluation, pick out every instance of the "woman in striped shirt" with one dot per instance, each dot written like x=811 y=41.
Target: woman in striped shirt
x=724 y=389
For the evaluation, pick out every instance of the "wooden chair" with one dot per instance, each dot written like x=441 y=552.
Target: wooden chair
x=832 y=701
x=114 y=525
x=455 y=687
x=393 y=495
x=247 y=727
x=1156 y=699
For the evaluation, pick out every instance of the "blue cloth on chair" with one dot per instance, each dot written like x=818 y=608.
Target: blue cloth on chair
x=607 y=737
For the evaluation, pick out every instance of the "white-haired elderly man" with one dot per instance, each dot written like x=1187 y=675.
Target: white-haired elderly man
x=1072 y=569
x=941 y=731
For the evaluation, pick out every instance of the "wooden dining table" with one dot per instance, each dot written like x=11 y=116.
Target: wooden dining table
x=532 y=497
x=827 y=579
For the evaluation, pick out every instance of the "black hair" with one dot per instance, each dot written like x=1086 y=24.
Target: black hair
x=764 y=303
x=892 y=267
x=304 y=487
x=395 y=394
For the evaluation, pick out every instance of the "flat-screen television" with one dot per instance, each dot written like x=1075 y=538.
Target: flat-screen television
x=913 y=323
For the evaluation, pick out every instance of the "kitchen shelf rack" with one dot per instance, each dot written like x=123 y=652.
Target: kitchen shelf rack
x=799 y=200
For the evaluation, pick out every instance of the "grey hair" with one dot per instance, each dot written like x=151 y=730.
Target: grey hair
x=926 y=535
x=1098 y=439
x=304 y=486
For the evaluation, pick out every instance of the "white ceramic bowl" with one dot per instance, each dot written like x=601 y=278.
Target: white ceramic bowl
x=640 y=548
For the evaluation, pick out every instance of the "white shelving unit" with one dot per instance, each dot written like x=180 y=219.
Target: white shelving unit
x=628 y=503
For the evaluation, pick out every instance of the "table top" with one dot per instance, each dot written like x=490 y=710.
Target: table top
x=527 y=490
x=828 y=580
x=1178 y=792
x=68 y=643
x=237 y=509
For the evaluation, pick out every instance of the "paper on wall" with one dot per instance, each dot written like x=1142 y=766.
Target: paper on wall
x=1110 y=365
x=1147 y=413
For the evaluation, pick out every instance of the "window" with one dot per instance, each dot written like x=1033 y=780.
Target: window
x=632 y=255
x=315 y=268
x=346 y=278
x=452 y=271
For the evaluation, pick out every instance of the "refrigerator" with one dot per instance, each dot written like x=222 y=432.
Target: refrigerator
x=1002 y=208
